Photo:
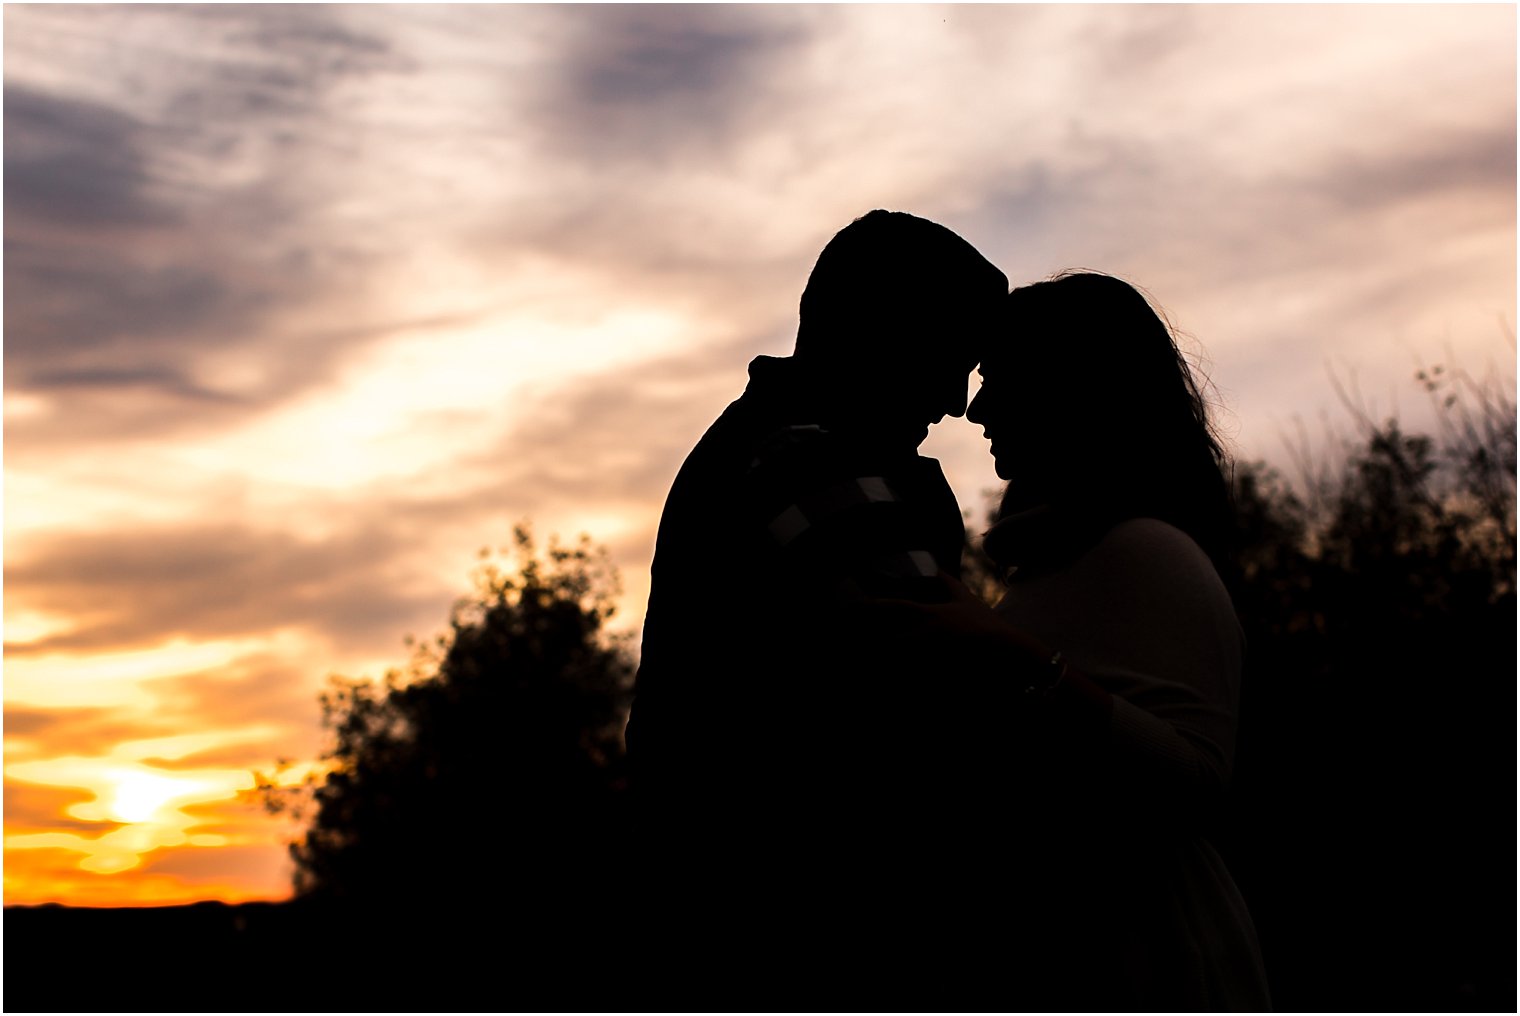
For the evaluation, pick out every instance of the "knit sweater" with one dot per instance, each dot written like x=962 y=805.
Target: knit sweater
x=750 y=705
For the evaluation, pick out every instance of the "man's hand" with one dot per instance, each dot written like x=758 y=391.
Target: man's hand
x=961 y=616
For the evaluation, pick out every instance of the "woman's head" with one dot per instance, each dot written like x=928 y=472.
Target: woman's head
x=1088 y=402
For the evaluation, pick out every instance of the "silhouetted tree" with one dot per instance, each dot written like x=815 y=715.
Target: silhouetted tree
x=488 y=773
x=1375 y=776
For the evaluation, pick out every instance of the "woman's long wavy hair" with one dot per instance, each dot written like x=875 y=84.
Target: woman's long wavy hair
x=1127 y=430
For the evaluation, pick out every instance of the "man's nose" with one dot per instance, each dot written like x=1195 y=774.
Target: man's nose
x=974 y=410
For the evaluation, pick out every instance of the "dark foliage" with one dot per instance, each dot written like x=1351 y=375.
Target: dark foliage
x=489 y=772
x=1375 y=832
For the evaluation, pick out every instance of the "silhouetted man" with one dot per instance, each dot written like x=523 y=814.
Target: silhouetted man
x=770 y=745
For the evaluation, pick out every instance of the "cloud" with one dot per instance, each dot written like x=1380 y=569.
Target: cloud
x=1473 y=161
x=259 y=690
x=659 y=84
x=632 y=426
x=166 y=263
x=246 y=713
x=86 y=306
x=30 y=807
x=267 y=865
x=86 y=317
x=86 y=731
x=70 y=162
x=28 y=722
x=146 y=586
x=277 y=64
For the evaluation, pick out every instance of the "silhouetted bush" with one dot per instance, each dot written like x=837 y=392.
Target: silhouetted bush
x=1375 y=793
x=488 y=774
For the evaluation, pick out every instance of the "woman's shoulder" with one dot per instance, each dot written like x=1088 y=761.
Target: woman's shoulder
x=1151 y=551
x=1155 y=587
x=1150 y=535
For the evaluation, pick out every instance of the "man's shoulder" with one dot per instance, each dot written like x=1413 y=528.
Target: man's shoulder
x=710 y=478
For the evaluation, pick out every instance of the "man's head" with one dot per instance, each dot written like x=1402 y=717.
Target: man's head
x=895 y=315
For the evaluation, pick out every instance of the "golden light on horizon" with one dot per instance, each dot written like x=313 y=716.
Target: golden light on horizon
x=144 y=803
x=143 y=797
x=72 y=679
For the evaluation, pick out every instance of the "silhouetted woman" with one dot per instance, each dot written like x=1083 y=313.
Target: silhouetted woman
x=1111 y=538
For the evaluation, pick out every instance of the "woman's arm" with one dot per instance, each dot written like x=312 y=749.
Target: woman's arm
x=1144 y=617
x=1120 y=674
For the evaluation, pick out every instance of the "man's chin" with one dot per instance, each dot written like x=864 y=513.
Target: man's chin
x=899 y=435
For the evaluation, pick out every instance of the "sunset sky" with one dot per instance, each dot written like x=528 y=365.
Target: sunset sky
x=306 y=304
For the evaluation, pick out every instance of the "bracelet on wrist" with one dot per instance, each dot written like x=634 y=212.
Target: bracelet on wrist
x=1053 y=675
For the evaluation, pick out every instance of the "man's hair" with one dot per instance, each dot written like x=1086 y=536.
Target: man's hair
x=882 y=274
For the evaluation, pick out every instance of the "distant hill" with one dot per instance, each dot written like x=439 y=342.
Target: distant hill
x=285 y=957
